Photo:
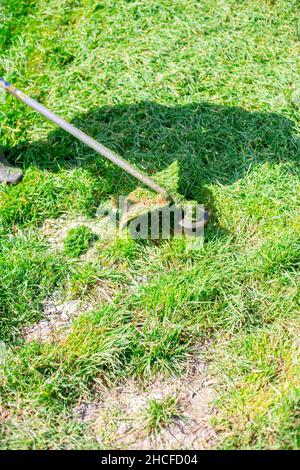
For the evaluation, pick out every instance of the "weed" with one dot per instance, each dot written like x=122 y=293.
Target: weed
x=161 y=413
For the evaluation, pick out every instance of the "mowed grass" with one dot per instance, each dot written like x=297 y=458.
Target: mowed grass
x=211 y=88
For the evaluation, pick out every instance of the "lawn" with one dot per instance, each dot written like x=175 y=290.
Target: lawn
x=212 y=88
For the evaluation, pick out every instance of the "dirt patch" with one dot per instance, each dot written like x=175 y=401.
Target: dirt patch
x=118 y=418
x=56 y=230
x=56 y=322
x=59 y=316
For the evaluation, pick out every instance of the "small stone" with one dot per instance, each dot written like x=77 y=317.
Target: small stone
x=64 y=316
x=8 y=173
x=124 y=428
x=69 y=309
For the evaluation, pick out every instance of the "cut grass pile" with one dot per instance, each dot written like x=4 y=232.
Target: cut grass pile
x=205 y=92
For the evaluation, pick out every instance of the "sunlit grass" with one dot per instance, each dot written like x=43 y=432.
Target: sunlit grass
x=209 y=89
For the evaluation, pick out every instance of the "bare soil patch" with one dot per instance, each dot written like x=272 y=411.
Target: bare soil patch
x=118 y=420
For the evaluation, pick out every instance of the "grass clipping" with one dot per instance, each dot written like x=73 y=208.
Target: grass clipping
x=142 y=201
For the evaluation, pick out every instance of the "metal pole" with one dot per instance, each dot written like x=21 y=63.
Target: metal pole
x=89 y=141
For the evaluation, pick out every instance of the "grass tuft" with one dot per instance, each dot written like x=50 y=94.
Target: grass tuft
x=78 y=241
x=161 y=413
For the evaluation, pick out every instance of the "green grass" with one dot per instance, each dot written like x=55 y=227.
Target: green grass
x=86 y=276
x=78 y=241
x=44 y=195
x=29 y=272
x=207 y=94
x=263 y=384
x=161 y=413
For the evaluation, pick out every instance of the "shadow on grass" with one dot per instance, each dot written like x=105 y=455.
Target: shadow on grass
x=211 y=143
